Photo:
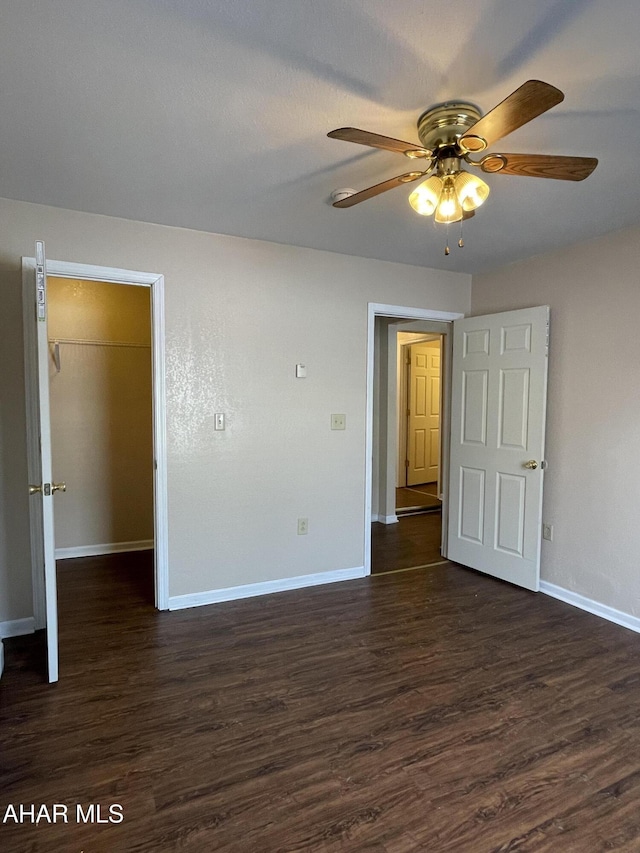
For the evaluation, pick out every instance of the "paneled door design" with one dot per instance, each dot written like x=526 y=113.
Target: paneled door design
x=498 y=410
x=423 y=444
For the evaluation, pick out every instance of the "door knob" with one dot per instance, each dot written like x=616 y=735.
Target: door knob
x=49 y=488
x=531 y=464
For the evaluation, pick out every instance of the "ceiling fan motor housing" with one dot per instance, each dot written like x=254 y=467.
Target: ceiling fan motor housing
x=441 y=126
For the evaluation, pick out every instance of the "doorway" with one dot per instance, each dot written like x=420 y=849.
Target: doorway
x=493 y=428
x=412 y=539
x=37 y=357
x=100 y=392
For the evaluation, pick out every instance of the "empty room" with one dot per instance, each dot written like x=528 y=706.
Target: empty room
x=302 y=546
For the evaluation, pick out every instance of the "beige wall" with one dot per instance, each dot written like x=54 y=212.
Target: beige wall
x=101 y=413
x=239 y=315
x=592 y=486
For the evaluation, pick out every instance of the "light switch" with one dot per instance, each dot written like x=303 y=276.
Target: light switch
x=338 y=421
x=301 y=371
x=218 y=420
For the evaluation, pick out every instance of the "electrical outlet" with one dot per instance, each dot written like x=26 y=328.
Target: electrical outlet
x=547 y=532
x=303 y=526
x=338 y=421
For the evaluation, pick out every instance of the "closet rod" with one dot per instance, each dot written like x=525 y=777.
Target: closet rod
x=55 y=344
x=82 y=342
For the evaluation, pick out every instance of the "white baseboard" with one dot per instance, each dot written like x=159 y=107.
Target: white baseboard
x=388 y=519
x=17 y=627
x=105 y=548
x=584 y=603
x=231 y=593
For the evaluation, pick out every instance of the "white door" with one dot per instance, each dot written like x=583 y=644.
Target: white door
x=41 y=487
x=423 y=453
x=498 y=410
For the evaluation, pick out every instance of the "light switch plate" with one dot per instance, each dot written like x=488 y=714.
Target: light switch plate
x=301 y=371
x=218 y=420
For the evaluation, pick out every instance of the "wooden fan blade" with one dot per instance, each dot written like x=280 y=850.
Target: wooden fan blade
x=370 y=192
x=374 y=140
x=528 y=101
x=548 y=166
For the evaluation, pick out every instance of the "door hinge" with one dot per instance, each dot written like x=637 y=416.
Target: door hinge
x=406 y=463
x=408 y=412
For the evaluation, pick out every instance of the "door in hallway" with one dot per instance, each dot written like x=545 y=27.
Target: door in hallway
x=423 y=445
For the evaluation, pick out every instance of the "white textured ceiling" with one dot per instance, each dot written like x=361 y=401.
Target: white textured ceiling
x=213 y=115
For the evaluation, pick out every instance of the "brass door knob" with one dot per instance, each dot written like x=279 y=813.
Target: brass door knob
x=58 y=487
x=531 y=464
x=33 y=490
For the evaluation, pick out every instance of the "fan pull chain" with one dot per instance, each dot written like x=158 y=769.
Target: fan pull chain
x=447 y=250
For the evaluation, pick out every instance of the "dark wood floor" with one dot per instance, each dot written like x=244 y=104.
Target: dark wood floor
x=417 y=496
x=436 y=710
x=413 y=540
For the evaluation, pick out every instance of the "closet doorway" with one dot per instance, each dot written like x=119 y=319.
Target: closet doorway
x=101 y=409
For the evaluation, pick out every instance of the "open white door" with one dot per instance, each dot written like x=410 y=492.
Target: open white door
x=41 y=488
x=498 y=412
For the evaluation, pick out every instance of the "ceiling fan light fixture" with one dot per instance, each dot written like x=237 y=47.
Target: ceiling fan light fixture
x=424 y=199
x=470 y=190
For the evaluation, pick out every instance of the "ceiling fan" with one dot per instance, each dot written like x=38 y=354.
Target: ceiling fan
x=449 y=134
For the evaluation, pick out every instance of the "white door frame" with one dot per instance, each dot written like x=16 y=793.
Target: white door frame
x=399 y=312
x=154 y=281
